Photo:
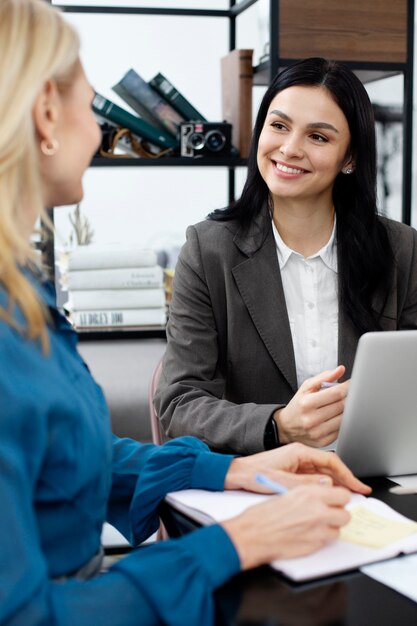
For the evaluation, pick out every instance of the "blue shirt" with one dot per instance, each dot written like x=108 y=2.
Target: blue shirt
x=62 y=473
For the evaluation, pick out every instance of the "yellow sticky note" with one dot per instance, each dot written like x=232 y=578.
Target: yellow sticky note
x=372 y=530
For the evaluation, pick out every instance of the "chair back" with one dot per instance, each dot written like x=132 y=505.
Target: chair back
x=157 y=435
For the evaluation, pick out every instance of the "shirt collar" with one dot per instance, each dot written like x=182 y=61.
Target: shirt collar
x=328 y=253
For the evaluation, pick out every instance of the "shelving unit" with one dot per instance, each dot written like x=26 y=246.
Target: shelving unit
x=373 y=37
x=230 y=14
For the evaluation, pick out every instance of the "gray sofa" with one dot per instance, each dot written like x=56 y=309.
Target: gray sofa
x=124 y=368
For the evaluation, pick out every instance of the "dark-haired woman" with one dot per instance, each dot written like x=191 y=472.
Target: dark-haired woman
x=272 y=294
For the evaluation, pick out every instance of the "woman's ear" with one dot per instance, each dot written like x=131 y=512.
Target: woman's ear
x=46 y=111
x=349 y=166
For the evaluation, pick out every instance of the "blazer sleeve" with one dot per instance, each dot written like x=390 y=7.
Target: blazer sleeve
x=406 y=250
x=190 y=394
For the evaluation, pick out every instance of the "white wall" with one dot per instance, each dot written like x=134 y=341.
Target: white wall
x=153 y=205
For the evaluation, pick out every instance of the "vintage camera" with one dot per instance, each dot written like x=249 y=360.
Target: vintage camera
x=205 y=139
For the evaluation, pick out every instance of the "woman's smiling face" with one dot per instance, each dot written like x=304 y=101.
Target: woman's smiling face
x=304 y=144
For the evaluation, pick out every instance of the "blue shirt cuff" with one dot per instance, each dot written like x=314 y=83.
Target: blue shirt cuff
x=209 y=471
x=212 y=547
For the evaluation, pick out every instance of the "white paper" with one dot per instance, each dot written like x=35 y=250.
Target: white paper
x=399 y=574
x=410 y=480
x=111 y=537
x=206 y=507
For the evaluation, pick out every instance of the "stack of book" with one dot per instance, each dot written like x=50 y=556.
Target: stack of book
x=159 y=106
x=115 y=287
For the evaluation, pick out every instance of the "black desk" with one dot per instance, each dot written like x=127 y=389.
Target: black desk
x=262 y=597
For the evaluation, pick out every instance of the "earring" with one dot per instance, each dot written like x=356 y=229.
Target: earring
x=348 y=171
x=49 y=147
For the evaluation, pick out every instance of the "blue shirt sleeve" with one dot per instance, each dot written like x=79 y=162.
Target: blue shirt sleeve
x=170 y=583
x=183 y=463
x=56 y=458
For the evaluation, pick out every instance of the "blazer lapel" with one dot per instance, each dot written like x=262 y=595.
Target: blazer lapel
x=258 y=280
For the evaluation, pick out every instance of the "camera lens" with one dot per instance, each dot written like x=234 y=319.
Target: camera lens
x=215 y=140
x=196 y=140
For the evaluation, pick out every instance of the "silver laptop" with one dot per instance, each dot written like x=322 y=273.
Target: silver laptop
x=378 y=435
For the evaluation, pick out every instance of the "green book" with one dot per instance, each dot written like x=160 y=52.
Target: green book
x=148 y=103
x=107 y=109
x=175 y=98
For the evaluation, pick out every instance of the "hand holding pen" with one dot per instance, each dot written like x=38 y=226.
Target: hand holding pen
x=309 y=513
x=314 y=413
x=298 y=522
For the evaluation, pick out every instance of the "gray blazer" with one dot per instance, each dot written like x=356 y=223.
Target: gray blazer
x=229 y=362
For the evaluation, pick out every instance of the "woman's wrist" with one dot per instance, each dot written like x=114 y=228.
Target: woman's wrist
x=271 y=436
x=277 y=416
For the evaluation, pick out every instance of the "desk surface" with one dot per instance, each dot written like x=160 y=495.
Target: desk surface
x=262 y=597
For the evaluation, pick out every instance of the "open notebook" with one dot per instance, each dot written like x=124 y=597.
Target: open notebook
x=376 y=531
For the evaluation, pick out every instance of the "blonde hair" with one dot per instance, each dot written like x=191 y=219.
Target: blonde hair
x=36 y=45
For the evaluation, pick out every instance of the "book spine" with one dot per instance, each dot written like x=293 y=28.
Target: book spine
x=80 y=300
x=145 y=100
x=89 y=257
x=137 y=106
x=175 y=98
x=123 y=278
x=108 y=109
x=99 y=318
x=237 y=84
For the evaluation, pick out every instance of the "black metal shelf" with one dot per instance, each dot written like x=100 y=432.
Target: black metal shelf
x=168 y=161
x=233 y=11
x=104 y=334
x=366 y=72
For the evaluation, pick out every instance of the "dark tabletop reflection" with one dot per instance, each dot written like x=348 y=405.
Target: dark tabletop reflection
x=263 y=598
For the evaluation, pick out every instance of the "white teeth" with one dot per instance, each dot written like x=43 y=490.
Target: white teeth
x=288 y=170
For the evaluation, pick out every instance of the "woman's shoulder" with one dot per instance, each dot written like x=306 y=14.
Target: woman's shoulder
x=212 y=229
x=397 y=230
x=403 y=240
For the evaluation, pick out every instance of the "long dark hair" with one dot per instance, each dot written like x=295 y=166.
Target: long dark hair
x=364 y=250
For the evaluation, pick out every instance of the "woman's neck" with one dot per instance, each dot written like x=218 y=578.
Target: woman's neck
x=304 y=229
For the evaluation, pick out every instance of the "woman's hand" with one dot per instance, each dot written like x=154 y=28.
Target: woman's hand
x=292 y=465
x=295 y=524
x=313 y=415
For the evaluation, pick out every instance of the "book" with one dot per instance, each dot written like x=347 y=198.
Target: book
x=375 y=532
x=80 y=300
x=111 y=111
x=143 y=99
x=180 y=103
x=110 y=256
x=113 y=318
x=237 y=84
x=119 y=278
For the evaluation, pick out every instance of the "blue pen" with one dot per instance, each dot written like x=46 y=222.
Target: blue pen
x=327 y=385
x=271 y=484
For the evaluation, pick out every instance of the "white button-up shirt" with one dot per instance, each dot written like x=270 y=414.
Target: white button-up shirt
x=310 y=289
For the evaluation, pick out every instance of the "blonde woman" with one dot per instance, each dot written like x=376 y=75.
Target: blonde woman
x=61 y=471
